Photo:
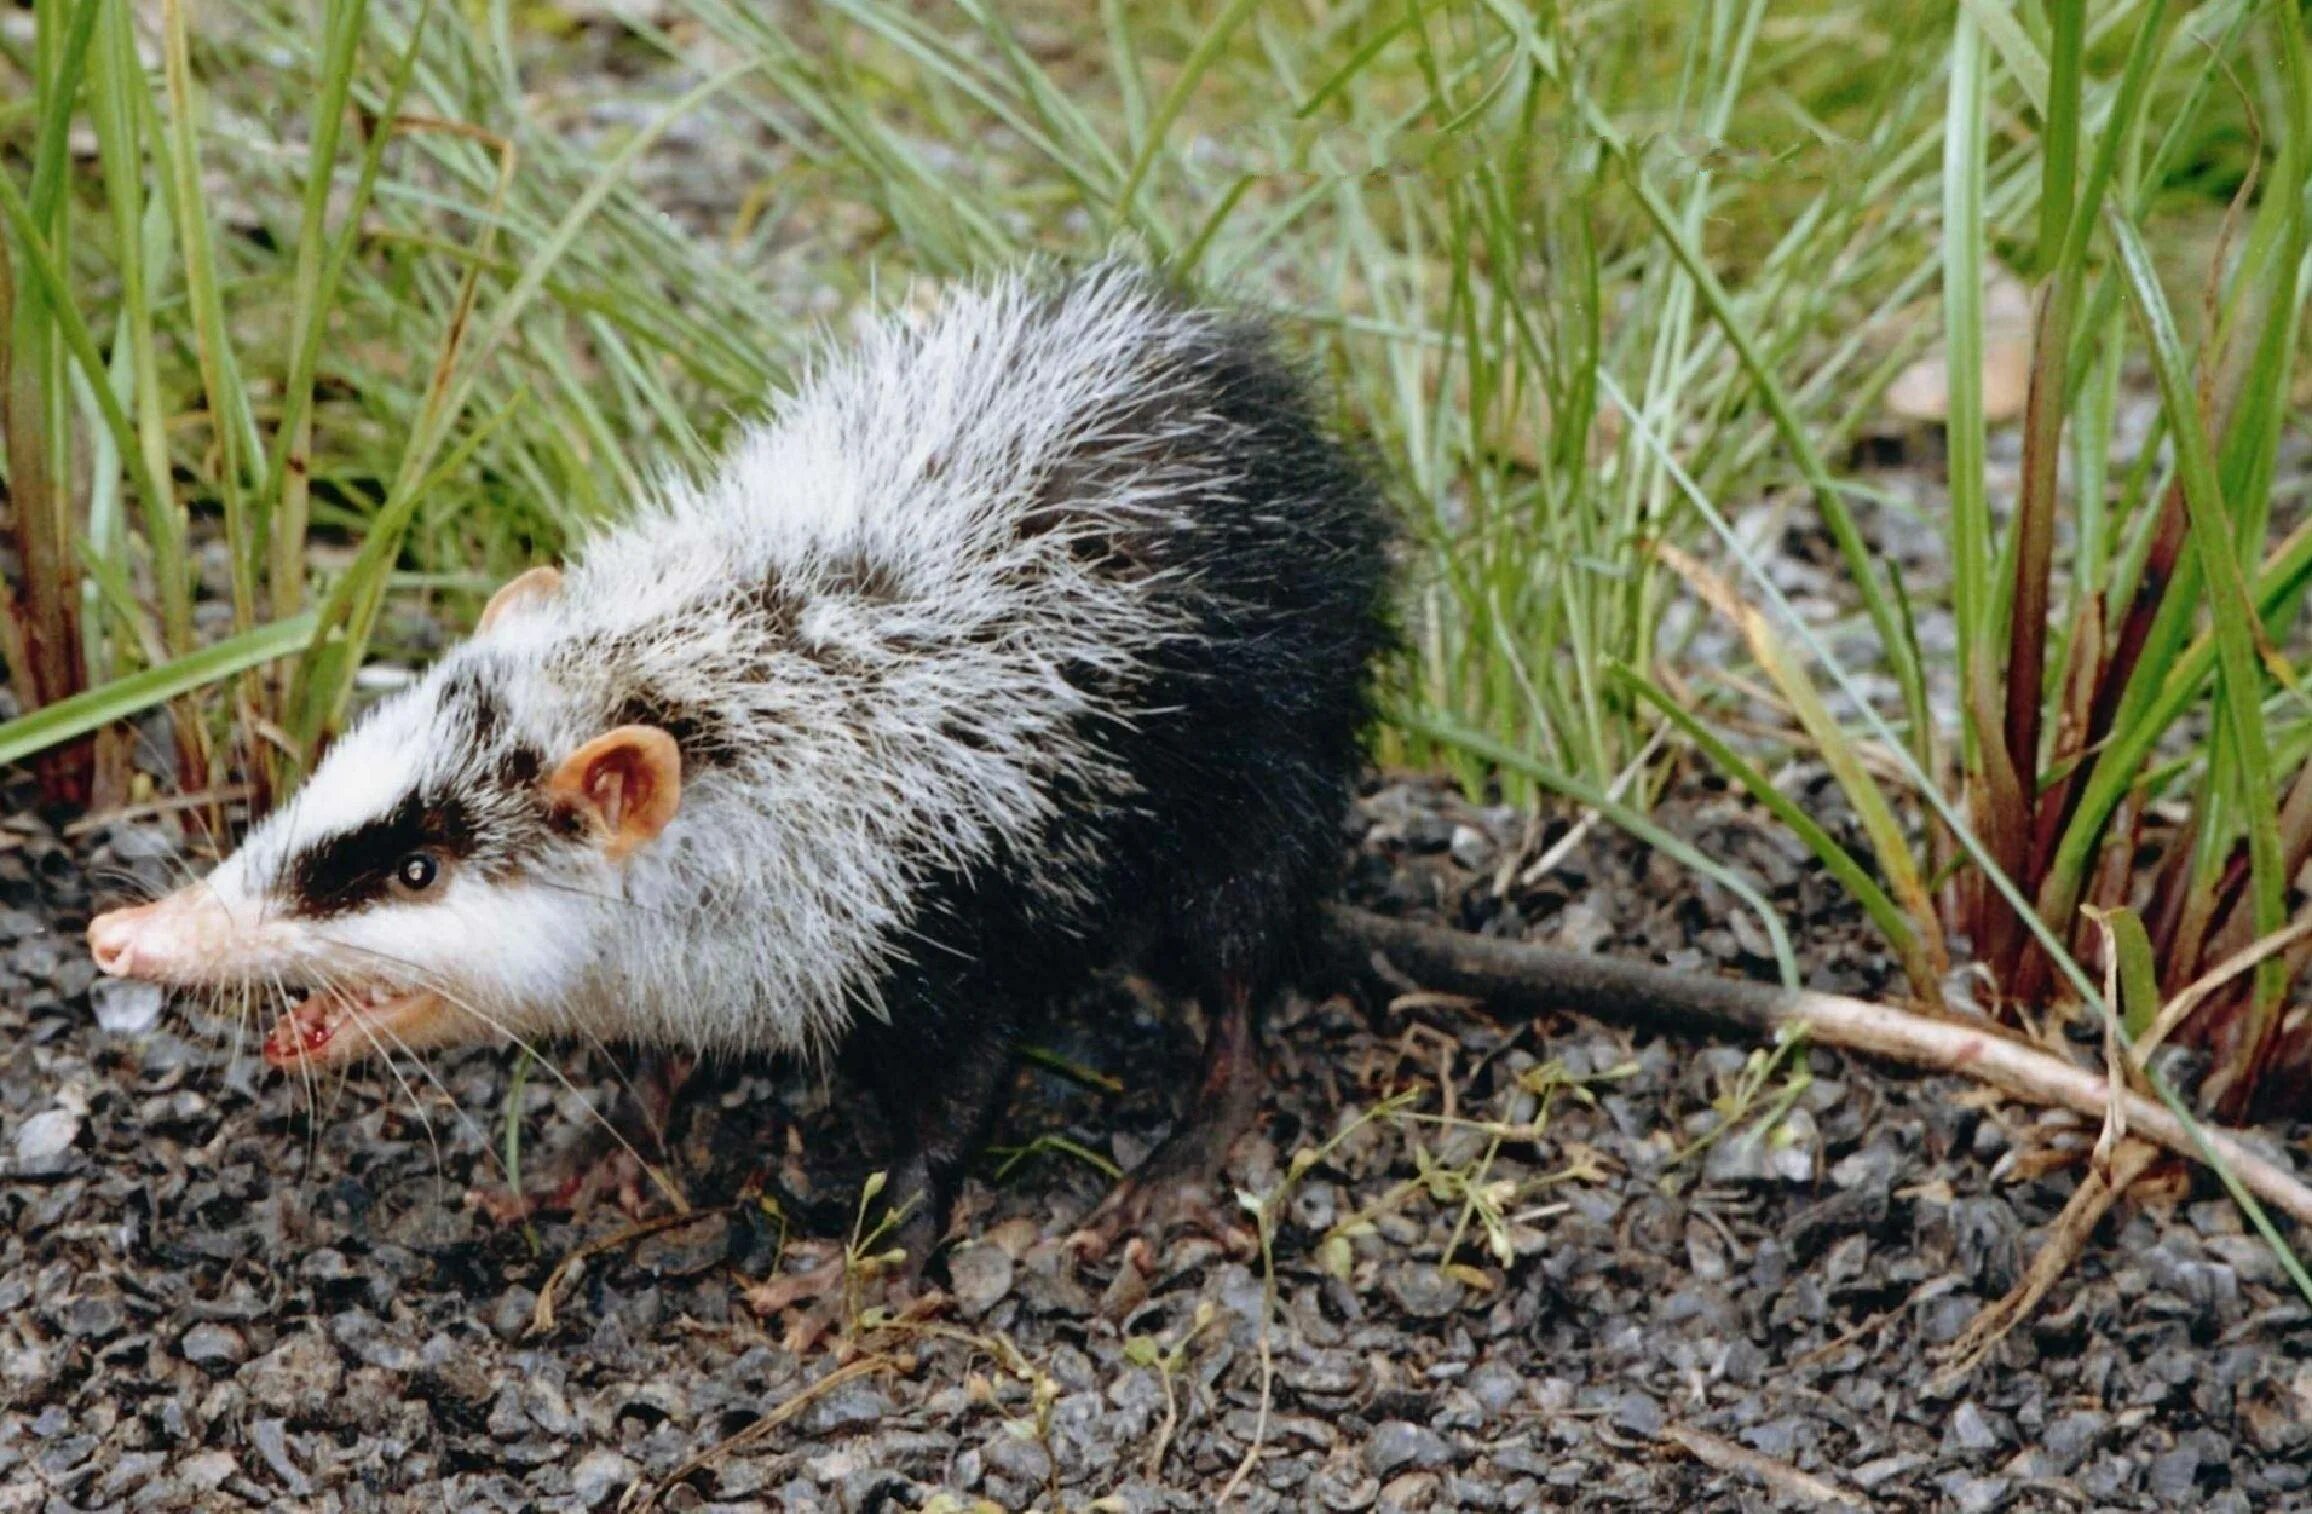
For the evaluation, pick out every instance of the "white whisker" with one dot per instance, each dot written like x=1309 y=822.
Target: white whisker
x=431 y=984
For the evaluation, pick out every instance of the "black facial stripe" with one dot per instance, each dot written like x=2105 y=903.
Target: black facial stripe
x=517 y=770
x=342 y=873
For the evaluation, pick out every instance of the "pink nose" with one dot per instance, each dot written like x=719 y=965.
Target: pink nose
x=113 y=937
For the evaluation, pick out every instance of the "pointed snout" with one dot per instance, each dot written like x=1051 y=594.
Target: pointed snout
x=113 y=937
x=169 y=940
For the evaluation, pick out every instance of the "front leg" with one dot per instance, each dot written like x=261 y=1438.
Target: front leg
x=939 y=1098
x=938 y=1080
x=939 y=1094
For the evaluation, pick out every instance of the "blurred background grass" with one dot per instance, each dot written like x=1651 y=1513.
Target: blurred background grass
x=320 y=314
x=1437 y=199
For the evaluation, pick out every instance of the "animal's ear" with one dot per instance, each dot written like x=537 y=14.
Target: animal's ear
x=523 y=589
x=627 y=782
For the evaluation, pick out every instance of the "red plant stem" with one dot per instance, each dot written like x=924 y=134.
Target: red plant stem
x=2059 y=802
x=2236 y=926
x=48 y=612
x=2003 y=819
x=2035 y=545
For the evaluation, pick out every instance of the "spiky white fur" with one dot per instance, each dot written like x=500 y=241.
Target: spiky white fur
x=904 y=703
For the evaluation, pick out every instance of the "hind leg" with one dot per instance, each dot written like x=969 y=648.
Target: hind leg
x=1179 y=1184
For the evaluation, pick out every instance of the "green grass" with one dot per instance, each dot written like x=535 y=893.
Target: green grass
x=381 y=298
x=472 y=334
x=2169 y=673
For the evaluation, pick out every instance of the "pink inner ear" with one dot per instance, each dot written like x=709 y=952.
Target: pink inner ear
x=607 y=786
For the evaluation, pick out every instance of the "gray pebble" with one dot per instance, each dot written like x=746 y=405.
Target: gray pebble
x=510 y=1316
x=2069 y=1437
x=1968 y=1430
x=297 y=1378
x=686 y=1250
x=601 y=1476
x=125 y=1006
x=1977 y=1495
x=1638 y=1414
x=271 y=1438
x=2174 y=1474
x=1778 y=1438
x=95 y=1317
x=1423 y=1291
x=854 y=1406
x=46 y=1136
x=1496 y=1386
x=1345 y=1490
x=1017 y=1457
x=979 y=1276
x=214 y=1347
x=1396 y=1444
x=1885 y=1469
x=207 y=1471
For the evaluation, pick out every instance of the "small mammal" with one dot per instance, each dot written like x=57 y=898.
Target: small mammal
x=1026 y=636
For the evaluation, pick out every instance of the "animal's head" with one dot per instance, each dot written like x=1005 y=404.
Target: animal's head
x=434 y=880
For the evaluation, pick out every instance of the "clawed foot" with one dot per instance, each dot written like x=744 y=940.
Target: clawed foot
x=833 y=1287
x=1179 y=1189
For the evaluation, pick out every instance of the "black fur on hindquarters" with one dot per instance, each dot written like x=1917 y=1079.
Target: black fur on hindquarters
x=1243 y=755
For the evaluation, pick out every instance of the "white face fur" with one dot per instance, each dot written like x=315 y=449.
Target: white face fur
x=863 y=650
x=436 y=880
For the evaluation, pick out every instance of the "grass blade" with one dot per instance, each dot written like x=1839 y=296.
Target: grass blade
x=1451 y=733
x=1126 y=210
x=319 y=259
x=325 y=677
x=82 y=713
x=233 y=428
x=1888 y=843
x=2239 y=682
x=1902 y=937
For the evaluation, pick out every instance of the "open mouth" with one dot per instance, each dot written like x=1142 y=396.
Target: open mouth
x=331 y=1027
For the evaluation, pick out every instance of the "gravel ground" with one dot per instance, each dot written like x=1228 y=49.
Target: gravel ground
x=1705 y=1281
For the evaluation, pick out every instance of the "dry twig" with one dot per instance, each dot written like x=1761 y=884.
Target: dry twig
x=1517 y=976
x=642 y=1496
x=2066 y=1238
x=542 y=1317
x=1788 y=1484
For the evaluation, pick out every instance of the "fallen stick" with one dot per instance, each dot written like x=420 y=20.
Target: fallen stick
x=1519 y=977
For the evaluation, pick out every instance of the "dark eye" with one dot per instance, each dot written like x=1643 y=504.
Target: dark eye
x=416 y=872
